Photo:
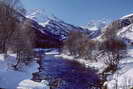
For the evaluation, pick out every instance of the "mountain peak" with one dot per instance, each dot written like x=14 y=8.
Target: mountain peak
x=37 y=15
x=95 y=25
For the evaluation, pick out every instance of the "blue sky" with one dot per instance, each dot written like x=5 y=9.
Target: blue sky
x=80 y=12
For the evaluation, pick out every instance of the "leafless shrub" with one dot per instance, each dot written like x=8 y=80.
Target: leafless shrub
x=111 y=30
x=112 y=50
x=79 y=45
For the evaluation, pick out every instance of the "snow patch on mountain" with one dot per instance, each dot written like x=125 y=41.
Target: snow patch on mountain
x=60 y=28
x=37 y=15
x=44 y=23
x=126 y=33
x=95 y=25
x=129 y=15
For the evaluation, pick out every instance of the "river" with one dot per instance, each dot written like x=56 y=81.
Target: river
x=67 y=74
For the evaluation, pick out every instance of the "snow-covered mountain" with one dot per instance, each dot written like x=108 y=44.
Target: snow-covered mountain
x=37 y=15
x=121 y=27
x=59 y=27
x=44 y=38
x=95 y=25
x=126 y=30
x=127 y=16
x=122 y=78
x=127 y=33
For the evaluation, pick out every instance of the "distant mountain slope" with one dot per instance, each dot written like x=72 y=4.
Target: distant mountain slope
x=95 y=25
x=127 y=33
x=126 y=28
x=44 y=38
x=57 y=30
x=122 y=27
x=61 y=28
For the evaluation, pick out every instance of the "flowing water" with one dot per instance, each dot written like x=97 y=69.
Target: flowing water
x=67 y=74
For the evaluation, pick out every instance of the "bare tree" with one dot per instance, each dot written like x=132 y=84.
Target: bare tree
x=72 y=42
x=79 y=45
x=87 y=48
x=111 y=30
x=16 y=32
x=22 y=42
x=112 y=51
x=8 y=20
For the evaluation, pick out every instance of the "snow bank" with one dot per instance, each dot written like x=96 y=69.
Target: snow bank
x=123 y=78
x=29 y=84
x=9 y=78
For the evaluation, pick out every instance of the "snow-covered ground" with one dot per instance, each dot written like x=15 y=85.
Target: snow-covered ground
x=29 y=84
x=11 y=79
x=123 y=78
